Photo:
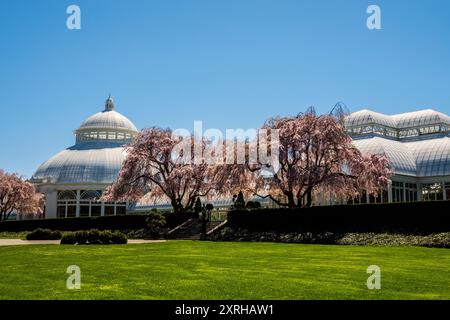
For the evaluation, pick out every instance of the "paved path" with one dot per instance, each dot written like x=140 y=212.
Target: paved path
x=18 y=242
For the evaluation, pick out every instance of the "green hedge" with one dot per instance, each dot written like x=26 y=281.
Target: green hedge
x=81 y=223
x=94 y=237
x=408 y=218
x=122 y=222
x=435 y=240
x=44 y=234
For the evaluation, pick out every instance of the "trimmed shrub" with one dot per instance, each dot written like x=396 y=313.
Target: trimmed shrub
x=68 y=238
x=121 y=222
x=119 y=238
x=155 y=225
x=81 y=236
x=419 y=218
x=239 y=202
x=437 y=240
x=44 y=234
x=198 y=206
x=105 y=237
x=93 y=236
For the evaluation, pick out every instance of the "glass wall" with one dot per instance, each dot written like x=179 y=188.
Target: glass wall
x=432 y=192
x=410 y=192
x=103 y=135
x=397 y=191
x=67 y=204
x=382 y=197
x=88 y=204
x=395 y=133
x=404 y=191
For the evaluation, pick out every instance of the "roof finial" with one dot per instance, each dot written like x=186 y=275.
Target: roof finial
x=109 y=104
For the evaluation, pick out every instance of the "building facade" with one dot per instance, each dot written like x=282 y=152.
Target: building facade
x=416 y=143
x=74 y=179
x=418 y=147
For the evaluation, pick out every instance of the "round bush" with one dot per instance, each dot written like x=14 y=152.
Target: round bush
x=119 y=238
x=68 y=238
x=93 y=236
x=81 y=237
x=44 y=234
x=105 y=237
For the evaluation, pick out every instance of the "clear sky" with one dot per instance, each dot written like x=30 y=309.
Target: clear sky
x=229 y=63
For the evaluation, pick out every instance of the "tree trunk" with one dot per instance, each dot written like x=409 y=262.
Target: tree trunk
x=291 y=200
x=308 y=198
x=177 y=207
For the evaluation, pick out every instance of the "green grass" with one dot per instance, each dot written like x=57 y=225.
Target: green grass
x=13 y=235
x=223 y=270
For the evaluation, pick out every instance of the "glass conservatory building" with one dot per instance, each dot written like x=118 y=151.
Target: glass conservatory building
x=74 y=179
x=416 y=143
x=418 y=147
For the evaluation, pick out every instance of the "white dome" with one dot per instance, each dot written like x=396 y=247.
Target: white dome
x=88 y=162
x=108 y=119
x=97 y=155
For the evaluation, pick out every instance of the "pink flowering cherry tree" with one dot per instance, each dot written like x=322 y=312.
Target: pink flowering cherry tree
x=18 y=196
x=162 y=167
x=316 y=155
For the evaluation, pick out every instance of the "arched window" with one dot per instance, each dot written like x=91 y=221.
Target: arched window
x=89 y=205
x=67 y=201
x=90 y=195
x=67 y=195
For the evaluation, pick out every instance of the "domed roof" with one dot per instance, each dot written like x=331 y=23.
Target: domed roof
x=401 y=158
x=97 y=155
x=398 y=121
x=420 y=118
x=425 y=158
x=89 y=162
x=432 y=156
x=108 y=119
x=365 y=117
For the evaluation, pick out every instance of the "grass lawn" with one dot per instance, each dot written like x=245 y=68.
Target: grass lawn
x=223 y=270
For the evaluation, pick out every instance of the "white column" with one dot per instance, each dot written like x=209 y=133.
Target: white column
x=443 y=190
x=51 y=204
x=390 y=194
x=78 y=204
x=419 y=192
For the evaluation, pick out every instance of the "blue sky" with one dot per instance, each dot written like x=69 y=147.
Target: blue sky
x=229 y=63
